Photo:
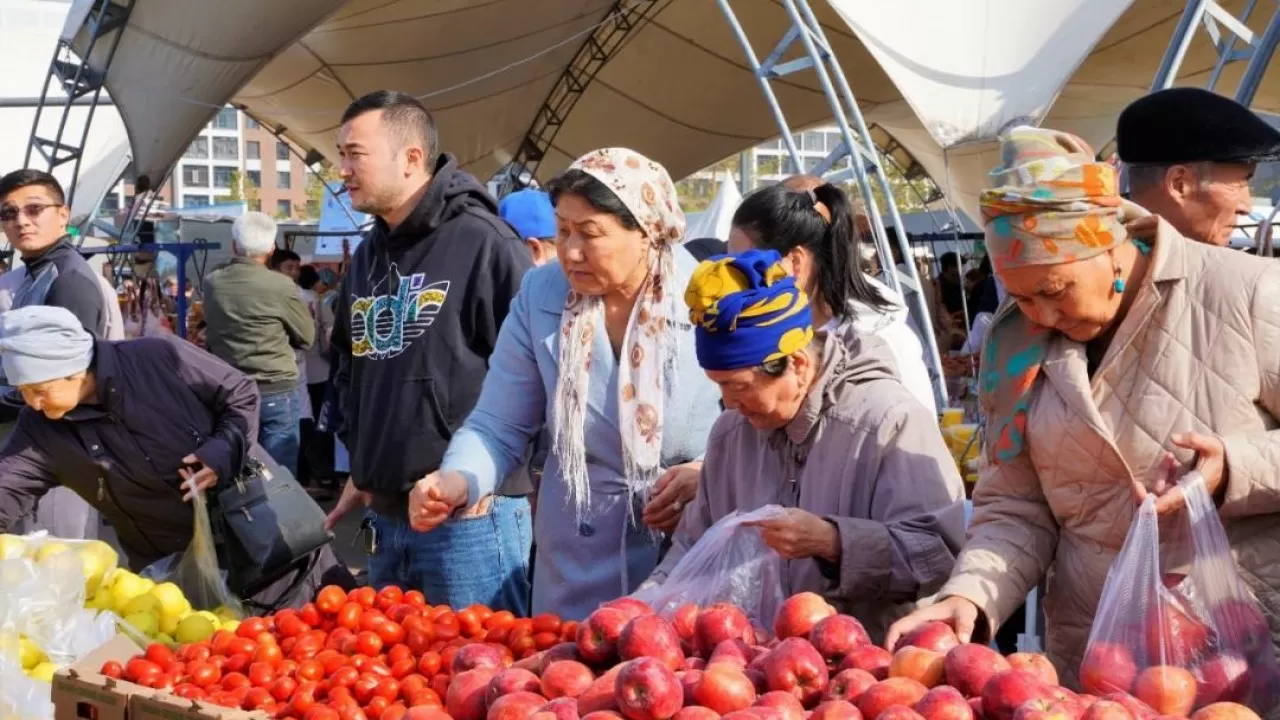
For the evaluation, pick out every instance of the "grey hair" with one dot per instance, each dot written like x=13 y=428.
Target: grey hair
x=1148 y=177
x=253 y=235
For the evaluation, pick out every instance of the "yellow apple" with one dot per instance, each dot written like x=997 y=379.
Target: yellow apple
x=99 y=559
x=28 y=654
x=12 y=546
x=194 y=628
x=43 y=672
x=48 y=550
x=144 y=622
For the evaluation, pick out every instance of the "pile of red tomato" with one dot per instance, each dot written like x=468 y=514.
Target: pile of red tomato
x=363 y=655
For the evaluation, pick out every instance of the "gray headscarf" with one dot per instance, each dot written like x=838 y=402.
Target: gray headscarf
x=41 y=343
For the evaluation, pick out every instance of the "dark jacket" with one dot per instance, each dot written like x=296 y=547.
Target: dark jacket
x=416 y=318
x=158 y=400
x=254 y=320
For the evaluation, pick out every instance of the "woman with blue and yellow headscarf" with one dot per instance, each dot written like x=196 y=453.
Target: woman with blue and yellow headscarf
x=875 y=505
x=1123 y=352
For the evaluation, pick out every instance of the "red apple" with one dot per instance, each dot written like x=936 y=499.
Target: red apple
x=466 y=698
x=936 y=636
x=683 y=620
x=1007 y=691
x=848 y=685
x=513 y=680
x=1225 y=711
x=646 y=689
x=834 y=636
x=1168 y=689
x=733 y=651
x=975 y=704
x=1107 y=710
x=1041 y=710
x=566 y=679
x=1173 y=636
x=629 y=605
x=944 y=703
x=477 y=655
x=1223 y=678
x=561 y=651
x=757 y=678
x=515 y=706
x=600 y=696
x=796 y=667
x=871 y=658
x=1138 y=709
x=836 y=710
x=799 y=613
x=562 y=708
x=598 y=635
x=718 y=623
x=724 y=689
x=898 y=712
x=788 y=707
x=533 y=663
x=689 y=680
x=693 y=662
x=887 y=693
x=924 y=666
x=1241 y=625
x=970 y=666
x=696 y=712
x=425 y=712
x=1107 y=668
x=602 y=715
x=651 y=636
x=1035 y=663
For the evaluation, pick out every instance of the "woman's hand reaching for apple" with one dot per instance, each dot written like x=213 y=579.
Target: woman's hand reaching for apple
x=955 y=611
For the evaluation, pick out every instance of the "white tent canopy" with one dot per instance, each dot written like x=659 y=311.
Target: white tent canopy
x=28 y=34
x=678 y=89
x=717 y=219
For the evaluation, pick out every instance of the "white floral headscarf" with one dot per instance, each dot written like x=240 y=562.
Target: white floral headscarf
x=648 y=350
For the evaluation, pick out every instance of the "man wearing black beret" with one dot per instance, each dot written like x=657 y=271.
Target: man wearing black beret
x=1190 y=155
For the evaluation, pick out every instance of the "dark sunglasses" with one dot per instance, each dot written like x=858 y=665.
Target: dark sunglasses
x=31 y=210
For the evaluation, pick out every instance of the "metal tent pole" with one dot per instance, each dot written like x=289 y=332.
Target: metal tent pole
x=857 y=145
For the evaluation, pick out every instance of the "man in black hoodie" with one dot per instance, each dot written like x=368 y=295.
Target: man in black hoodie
x=415 y=321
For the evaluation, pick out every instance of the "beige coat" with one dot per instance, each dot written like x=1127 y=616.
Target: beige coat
x=865 y=455
x=1198 y=351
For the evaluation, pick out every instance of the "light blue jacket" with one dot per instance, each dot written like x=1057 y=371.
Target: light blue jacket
x=579 y=562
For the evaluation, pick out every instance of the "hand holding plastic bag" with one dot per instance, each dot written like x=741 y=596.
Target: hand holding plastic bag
x=196 y=569
x=1176 y=625
x=730 y=563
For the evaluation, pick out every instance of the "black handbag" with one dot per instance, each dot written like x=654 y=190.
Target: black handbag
x=267 y=526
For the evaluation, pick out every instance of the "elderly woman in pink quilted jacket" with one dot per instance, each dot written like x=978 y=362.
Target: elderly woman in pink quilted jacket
x=1125 y=342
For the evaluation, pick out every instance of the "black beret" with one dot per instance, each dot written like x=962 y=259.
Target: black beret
x=1184 y=125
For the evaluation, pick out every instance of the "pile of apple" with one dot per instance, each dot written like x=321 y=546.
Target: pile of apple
x=390 y=656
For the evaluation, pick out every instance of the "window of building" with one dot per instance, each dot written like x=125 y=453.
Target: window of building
x=195 y=176
x=284 y=208
x=254 y=177
x=222 y=177
x=253 y=150
x=111 y=202
x=284 y=180
x=813 y=142
x=250 y=123
x=227 y=119
x=833 y=141
x=226 y=148
x=198 y=149
x=282 y=151
x=192 y=201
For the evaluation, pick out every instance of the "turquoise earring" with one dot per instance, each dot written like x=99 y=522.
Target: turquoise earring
x=1118 y=285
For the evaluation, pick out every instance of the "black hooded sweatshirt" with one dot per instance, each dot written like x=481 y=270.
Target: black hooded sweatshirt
x=416 y=318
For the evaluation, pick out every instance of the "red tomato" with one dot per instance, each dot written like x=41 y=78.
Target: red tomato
x=545 y=640
x=416 y=621
x=425 y=697
x=368 y=643
x=498 y=636
x=418 y=641
x=291 y=626
x=188 y=691
x=255 y=699
x=220 y=641
x=470 y=623
x=269 y=653
x=195 y=652
x=112 y=669
x=331 y=660
x=389 y=688
x=388 y=596
x=371 y=619
x=569 y=631
x=352 y=712
x=398 y=613
x=235 y=680
x=429 y=664
x=403 y=668
x=364 y=687
x=139 y=666
x=349 y=616
x=204 y=674
x=439 y=685
x=251 y=627
x=411 y=684
x=283 y=688
x=392 y=633
x=311 y=615
x=415 y=598
x=310 y=670
x=160 y=654
x=237 y=663
x=343 y=677
x=394 y=712
x=546 y=622
x=363 y=595
x=330 y=599
x=336 y=638
x=304 y=698
x=447 y=630
x=262 y=674
x=500 y=619
x=377 y=705
x=241 y=645
x=320 y=712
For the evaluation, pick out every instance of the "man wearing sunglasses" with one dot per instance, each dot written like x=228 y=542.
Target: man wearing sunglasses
x=34 y=216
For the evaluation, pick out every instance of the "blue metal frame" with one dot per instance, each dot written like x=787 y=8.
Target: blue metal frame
x=1258 y=48
x=856 y=142
x=182 y=251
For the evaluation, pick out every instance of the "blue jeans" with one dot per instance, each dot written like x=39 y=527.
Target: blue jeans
x=278 y=428
x=463 y=562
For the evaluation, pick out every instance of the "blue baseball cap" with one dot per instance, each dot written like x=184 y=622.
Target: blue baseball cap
x=530 y=212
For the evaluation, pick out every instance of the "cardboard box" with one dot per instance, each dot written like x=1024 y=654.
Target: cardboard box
x=80 y=692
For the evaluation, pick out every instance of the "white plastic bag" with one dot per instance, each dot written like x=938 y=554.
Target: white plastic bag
x=730 y=563
x=196 y=569
x=1175 y=611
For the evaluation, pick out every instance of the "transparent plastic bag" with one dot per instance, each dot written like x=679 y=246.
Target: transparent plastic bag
x=196 y=570
x=730 y=564
x=22 y=697
x=1176 y=625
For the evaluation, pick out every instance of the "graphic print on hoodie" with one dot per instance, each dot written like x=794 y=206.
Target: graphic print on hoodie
x=414 y=323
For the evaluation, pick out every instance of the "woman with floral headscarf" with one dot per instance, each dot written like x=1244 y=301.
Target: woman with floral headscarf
x=598 y=348
x=1127 y=351
x=824 y=427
